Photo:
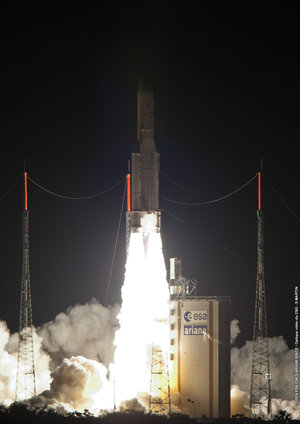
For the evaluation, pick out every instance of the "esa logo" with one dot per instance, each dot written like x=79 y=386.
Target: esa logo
x=195 y=316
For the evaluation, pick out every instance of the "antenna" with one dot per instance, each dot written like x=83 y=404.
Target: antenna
x=25 y=190
x=260 y=391
x=259 y=184
x=25 y=387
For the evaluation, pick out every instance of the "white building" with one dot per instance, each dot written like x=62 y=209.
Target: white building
x=199 y=348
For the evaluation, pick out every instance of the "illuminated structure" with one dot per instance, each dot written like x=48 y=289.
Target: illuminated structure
x=144 y=166
x=260 y=392
x=25 y=387
x=143 y=228
x=199 y=347
x=160 y=402
x=199 y=352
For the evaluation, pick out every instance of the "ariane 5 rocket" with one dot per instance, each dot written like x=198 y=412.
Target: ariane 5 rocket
x=144 y=165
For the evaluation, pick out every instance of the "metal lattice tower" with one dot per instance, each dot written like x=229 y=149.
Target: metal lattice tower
x=159 y=398
x=25 y=387
x=260 y=392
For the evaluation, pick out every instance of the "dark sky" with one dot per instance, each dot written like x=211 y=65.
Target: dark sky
x=226 y=84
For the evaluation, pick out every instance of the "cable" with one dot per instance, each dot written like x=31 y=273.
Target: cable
x=178 y=185
x=283 y=201
x=11 y=187
x=111 y=200
x=75 y=198
x=115 y=248
x=210 y=201
x=178 y=219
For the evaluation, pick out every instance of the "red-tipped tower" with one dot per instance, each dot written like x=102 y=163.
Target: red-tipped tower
x=259 y=191
x=128 y=193
x=260 y=390
x=25 y=385
x=25 y=190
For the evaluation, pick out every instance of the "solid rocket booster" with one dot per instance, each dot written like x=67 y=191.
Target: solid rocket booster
x=145 y=162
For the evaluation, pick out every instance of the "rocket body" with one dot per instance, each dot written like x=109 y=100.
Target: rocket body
x=145 y=163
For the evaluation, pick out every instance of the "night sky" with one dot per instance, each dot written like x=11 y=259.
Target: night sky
x=226 y=85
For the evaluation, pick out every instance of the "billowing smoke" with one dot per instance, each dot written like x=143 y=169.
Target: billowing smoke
x=72 y=346
x=8 y=364
x=86 y=330
x=8 y=367
x=281 y=368
x=75 y=342
x=77 y=384
x=239 y=401
x=234 y=330
x=132 y=405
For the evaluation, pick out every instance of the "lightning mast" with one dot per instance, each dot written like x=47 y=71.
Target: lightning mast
x=25 y=387
x=260 y=392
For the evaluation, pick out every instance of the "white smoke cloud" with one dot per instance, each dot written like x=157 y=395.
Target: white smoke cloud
x=8 y=364
x=86 y=330
x=132 y=405
x=290 y=406
x=83 y=331
x=85 y=334
x=234 y=330
x=77 y=384
x=8 y=368
x=281 y=368
x=239 y=401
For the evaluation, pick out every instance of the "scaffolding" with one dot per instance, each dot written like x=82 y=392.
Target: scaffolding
x=159 y=397
x=181 y=287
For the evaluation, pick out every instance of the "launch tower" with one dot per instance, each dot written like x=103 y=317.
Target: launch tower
x=25 y=387
x=260 y=392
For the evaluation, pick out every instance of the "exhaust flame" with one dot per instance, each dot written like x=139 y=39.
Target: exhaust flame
x=144 y=312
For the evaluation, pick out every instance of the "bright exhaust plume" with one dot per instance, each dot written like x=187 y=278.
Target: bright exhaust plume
x=144 y=312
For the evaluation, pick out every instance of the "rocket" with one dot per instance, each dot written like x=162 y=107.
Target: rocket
x=144 y=163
